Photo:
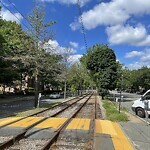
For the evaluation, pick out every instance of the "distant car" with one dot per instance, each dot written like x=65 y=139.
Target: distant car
x=54 y=95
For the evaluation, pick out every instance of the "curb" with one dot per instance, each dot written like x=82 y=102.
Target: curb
x=146 y=122
x=103 y=111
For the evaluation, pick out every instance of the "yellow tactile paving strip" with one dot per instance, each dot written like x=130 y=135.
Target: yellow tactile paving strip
x=51 y=123
x=25 y=122
x=81 y=124
x=119 y=139
x=8 y=120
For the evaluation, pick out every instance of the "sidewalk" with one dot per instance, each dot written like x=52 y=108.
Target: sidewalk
x=139 y=134
x=135 y=130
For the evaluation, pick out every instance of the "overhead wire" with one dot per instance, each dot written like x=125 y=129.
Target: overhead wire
x=80 y=16
x=82 y=25
x=21 y=15
x=13 y=14
x=17 y=17
x=18 y=20
x=19 y=12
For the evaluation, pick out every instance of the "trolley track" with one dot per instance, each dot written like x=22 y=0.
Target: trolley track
x=55 y=108
x=73 y=139
x=62 y=128
x=21 y=135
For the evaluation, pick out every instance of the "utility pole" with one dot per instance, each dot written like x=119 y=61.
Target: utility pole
x=120 y=93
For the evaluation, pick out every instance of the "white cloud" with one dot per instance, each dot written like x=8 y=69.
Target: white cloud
x=101 y=14
x=120 y=34
x=54 y=47
x=68 y=2
x=75 y=25
x=134 y=54
x=74 y=44
x=144 y=58
x=75 y=58
x=10 y=17
x=138 y=65
x=112 y=13
x=82 y=48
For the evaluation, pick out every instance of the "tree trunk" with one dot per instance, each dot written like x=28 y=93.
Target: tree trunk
x=36 y=91
x=65 y=90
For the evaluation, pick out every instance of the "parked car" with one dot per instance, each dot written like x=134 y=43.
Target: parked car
x=139 y=106
x=54 y=95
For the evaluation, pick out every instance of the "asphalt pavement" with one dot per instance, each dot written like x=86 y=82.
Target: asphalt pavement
x=11 y=105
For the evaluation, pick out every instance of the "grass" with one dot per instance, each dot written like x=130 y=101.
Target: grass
x=112 y=113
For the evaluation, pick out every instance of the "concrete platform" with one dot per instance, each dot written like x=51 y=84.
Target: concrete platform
x=108 y=135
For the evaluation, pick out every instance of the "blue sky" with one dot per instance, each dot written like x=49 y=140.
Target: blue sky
x=122 y=24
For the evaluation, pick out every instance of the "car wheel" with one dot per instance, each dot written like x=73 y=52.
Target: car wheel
x=140 y=112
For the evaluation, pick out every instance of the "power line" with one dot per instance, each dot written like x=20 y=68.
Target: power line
x=21 y=15
x=18 y=20
x=19 y=12
x=80 y=15
x=13 y=14
x=82 y=25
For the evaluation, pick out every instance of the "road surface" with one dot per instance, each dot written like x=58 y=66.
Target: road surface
x=11 y=106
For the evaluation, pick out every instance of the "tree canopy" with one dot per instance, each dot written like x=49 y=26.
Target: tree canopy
x=100 y=60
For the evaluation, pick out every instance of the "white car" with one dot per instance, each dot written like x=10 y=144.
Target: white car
x=54 y=95
x=141 y=105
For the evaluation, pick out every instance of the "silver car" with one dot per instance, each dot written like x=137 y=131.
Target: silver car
x=54 y=95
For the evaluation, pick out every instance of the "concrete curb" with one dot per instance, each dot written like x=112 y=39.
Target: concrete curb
x=101 y=107
x=146 y=122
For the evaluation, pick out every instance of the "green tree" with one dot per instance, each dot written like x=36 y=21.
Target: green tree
x=101 y=62
x=78 y=78
x=144 y=78
x=136 y=80
x=40 y=35
x=11 y=37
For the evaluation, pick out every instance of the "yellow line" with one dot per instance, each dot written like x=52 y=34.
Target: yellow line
x=8 y=120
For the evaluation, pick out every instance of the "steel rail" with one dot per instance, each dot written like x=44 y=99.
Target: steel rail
x=22 y=134
x=63 y=126
x=39 y=112
x=90 y=145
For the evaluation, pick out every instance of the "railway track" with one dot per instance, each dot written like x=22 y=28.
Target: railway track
x=73 y=139
x=73 y=109
x=45 y=112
